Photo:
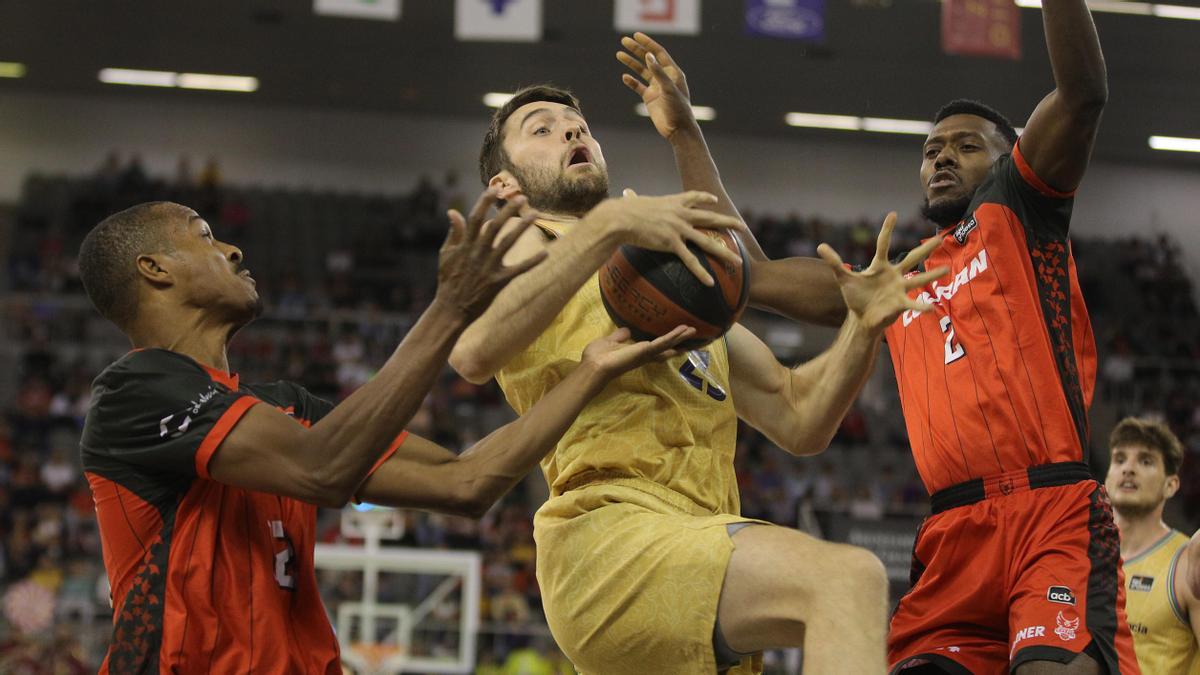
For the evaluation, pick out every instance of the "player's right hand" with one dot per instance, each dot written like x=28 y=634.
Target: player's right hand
x=668 y=224
x=878 y=295
x=615 y=354
x=471 y=269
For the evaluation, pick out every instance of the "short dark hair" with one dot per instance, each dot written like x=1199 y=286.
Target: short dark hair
x=492 y=157
x=963 y=106
x=108 y=255
x=1154 y=435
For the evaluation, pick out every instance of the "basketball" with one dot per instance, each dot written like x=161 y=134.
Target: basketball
x=651 y=292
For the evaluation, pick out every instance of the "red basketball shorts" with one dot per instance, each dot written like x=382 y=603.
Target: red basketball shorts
x=1022 y=566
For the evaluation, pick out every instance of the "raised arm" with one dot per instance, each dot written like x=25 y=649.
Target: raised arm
x=268 y=451
x=524 y=309
x=425 y=476
x=800 y=408
x=1058 y=139
x=661 y=84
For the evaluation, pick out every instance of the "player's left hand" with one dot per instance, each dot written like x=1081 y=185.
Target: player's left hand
x=614 y=354
x=879 y=294
x=660 y=83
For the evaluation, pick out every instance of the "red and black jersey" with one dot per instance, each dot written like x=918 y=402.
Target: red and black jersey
x=999 y=375
x=205 y=577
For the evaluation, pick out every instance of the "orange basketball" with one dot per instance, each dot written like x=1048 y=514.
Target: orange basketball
x=650 y=292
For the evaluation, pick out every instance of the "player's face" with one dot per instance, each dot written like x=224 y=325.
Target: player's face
x=958 y=154
x=554 y=158
x=1137 y=481
x=209 y=272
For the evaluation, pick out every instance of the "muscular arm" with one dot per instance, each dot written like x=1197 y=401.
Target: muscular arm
x=698 y=171
x=804 y=289
x=800 y=409
x=1059 y=136
x=527 y=306
x=267 y=451
x=524 y=309
x=659 y=81
x=423 y=475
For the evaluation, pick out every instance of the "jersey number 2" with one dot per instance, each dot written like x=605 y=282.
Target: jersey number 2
x=954 y=351
x=285 y=563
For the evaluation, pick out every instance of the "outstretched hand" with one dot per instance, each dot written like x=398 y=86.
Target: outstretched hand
x=879 y=294
x=658 y=81
x=615 y=354
x=471 y=269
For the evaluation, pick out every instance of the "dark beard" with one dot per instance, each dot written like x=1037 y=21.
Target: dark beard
x=948 y=212
x=554 y=193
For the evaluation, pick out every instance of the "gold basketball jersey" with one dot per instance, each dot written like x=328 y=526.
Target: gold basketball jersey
x=670 y=423
x=1162 y=636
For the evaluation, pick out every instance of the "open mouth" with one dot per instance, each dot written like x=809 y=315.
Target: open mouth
x=579 y=155
x=943 y=179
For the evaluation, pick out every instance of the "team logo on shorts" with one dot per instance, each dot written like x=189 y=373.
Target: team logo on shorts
x=1140 y=583
x=1061 y=595
x=1066 y=627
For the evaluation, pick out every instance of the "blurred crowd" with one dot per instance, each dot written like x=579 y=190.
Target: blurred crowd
x=344 y=276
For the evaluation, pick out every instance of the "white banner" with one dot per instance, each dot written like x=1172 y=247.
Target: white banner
x=499 y=20
x=381 y=10
x=658 y=16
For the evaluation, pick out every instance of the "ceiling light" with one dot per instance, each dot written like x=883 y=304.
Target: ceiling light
x=883 y=125
x=1177 y=12
x=496 y=99
x=700 y=112
x=11 y=69
x=1175 y=143
x=891 y=126
x=142 y=78
x=217 y=82
x=818 y=121
x=165 y=78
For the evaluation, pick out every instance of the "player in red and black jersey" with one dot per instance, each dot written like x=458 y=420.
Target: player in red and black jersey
x=206 y=488
x=1019 y=567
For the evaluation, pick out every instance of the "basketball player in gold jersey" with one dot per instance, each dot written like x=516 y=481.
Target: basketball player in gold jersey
x=1160 y=562
x=644 y=562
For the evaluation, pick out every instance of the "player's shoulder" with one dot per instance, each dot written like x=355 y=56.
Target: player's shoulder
x=149 y=361
x=149 y=372
x=532 y=241
x=292 y=398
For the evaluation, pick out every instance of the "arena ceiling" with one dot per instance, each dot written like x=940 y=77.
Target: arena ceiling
x=881 y=58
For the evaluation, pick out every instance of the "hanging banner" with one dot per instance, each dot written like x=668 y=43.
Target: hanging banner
x=380 y=10
x=792 y=19
x=981 y=28
x=498 y=20
x=681 y=17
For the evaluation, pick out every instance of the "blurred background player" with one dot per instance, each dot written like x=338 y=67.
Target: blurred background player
x=207 y=499
x=1161 y=598
x=644 y=563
